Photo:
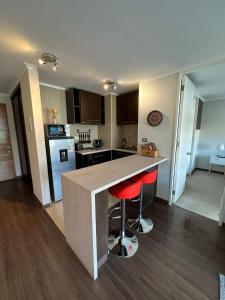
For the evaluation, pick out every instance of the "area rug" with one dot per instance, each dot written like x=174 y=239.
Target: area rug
x=222 y=287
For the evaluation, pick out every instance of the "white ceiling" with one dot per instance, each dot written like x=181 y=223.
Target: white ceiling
x=123 y=40
x=210 y=82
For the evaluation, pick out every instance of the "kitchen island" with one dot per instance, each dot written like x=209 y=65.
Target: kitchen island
x=85 y=204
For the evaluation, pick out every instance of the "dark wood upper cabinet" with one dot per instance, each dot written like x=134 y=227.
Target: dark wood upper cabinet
x=90 y=107
x=84 y=107
x=127 y=108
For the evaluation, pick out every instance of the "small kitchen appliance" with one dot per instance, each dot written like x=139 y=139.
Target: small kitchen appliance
x=97 y=143
x=54 y=130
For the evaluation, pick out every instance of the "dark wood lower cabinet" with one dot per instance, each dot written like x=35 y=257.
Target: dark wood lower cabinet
x=88 y=160
x=149 y=193
x=92 y=159
x=120 y=154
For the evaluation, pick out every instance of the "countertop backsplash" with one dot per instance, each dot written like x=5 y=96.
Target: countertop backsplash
x=84 y=128
x=130 y=134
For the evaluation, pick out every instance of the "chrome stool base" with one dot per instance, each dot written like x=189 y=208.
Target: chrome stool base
x=123 y=247
x=141 y=225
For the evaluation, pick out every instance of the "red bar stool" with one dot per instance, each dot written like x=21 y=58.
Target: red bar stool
x=141 y=224
x=124 y=243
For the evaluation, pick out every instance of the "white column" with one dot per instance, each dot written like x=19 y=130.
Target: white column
x=31 y=99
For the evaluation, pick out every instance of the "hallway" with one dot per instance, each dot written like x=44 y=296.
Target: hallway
x=203 y=194
x=179 y=259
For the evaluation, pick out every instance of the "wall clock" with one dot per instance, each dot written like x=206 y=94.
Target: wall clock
x=154 y=118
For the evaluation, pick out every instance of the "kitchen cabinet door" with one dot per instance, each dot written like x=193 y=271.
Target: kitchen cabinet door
x=127 y=108
x=90 y=110
x=84 y=107
x=119 y=154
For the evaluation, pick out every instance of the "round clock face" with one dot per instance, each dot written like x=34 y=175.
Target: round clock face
x=154 y=118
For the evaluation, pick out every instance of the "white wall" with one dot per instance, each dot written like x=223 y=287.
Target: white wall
x=160 y=94
x=195 y=137
x=12 y=131
x=110 y=132
x=117 y=131
x=53 y=98
x=212 y=133
x=105 y=130
x=193 y=163
x=31 y=99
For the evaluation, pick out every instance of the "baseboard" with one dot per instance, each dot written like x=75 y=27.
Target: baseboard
x=206 y=170
x=193 y=171
x=102 y=260
x=162 y=201
x=46 y=205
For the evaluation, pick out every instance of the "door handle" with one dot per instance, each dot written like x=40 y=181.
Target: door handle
x=188 y=153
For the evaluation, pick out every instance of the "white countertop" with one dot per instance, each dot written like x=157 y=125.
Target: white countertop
x=102 y=176
x=125 y=150
x=91 y=151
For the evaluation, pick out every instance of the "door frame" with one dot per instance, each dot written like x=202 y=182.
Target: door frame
x=177 y=133
x=193 y=134
x=17 y=92
x=176 y=138
x=5 y=109
x=5 y=99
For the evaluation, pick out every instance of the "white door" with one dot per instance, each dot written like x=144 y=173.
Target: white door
x=185 y=133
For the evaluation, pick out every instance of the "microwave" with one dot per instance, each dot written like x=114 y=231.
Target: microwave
x=57 y=130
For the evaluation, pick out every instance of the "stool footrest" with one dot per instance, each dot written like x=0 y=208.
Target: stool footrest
x=112 y=211
x=135 y=200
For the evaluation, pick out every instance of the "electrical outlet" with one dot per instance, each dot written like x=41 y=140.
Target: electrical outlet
x=144 y=140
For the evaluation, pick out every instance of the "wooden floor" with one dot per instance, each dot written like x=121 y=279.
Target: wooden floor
x=179 y=259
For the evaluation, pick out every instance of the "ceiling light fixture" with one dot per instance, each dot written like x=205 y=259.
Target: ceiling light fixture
x=48 y=59
x=109 y=84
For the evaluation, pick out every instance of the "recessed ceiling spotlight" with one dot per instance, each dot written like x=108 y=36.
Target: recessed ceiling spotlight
x=109 y=84
x=49 y=59
x=41 y=62
x=54 y=68
x=106 y=86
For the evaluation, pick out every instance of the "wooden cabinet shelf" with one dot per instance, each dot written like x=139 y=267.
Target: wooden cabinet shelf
x=84 y=107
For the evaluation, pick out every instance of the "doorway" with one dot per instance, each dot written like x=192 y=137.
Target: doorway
x=7 y=169
x=21 y=134
x=200 y=138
